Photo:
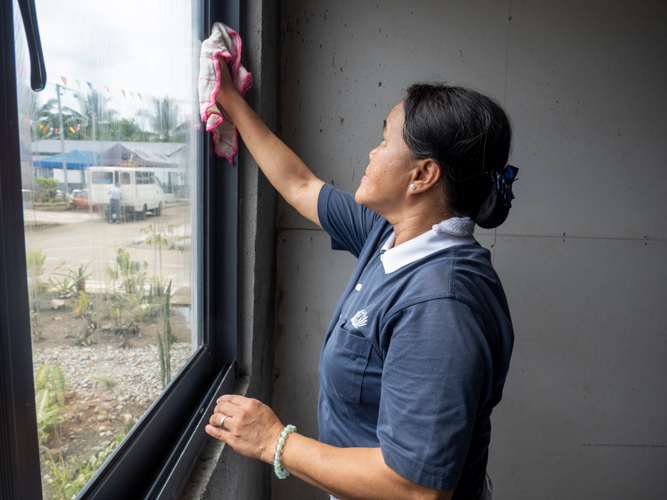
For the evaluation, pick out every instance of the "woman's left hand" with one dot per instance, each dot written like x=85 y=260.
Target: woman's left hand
x=251 y=427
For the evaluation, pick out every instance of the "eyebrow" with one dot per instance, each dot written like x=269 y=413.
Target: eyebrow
x=384 y=125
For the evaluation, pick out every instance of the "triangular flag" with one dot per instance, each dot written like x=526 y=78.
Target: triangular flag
x=107 y=89
x=26 y=119
x=57 y=129
x=64 y=80
x=139 y=96
x=78 y=83
x=40 y=126
x=46 y=129
x=20 y=116
x=71 y=129
x=90 y=85
x=132 y=94
x=123 y=93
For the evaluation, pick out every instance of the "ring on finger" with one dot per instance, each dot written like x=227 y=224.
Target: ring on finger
x=222 y=421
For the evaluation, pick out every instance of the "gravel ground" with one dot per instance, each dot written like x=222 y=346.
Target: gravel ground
x=136 y=370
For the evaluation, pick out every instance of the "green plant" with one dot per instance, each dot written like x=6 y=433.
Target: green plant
x=61 y=286
x=143 y=303
x=35 y=263
x=47 y=414
x=82 y=304
x=128 y=271
x=157 y=238
x=69 y=478
x=46 y=189
x=164 y=343
x=103 y=381
x=131 y=278
x=51 y=377
x=49 y=398
x=79 y=277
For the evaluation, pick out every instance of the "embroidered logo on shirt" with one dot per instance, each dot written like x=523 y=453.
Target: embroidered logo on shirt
x=360 y=319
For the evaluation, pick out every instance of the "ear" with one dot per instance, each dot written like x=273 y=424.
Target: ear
x=425 y=175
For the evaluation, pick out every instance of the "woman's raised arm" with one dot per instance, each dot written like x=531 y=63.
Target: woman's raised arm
x=285 y=170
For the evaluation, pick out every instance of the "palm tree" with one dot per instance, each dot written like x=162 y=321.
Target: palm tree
x=44 y=119
x=93 y=108
x=164 y=121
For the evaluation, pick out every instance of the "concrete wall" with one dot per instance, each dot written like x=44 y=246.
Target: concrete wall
x=582 y=256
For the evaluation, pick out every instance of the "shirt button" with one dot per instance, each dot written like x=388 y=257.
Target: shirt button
x=358 y=287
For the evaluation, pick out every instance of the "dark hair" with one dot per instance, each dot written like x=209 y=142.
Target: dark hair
x=468 y=134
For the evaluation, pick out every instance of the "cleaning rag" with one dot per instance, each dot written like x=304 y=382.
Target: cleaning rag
x=226 y=42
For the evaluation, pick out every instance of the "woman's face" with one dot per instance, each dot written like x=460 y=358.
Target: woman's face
x=384 y=186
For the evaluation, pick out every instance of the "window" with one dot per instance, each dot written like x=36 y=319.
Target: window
x=145 y=177
x=102 y=177
x=112 y=353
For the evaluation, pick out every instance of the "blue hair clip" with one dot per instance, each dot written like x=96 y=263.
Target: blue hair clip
x=503 y=181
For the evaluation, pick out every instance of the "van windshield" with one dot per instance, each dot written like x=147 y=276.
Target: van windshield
x=102 y=178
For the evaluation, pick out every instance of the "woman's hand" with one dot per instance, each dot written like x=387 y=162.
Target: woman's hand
x=227 y=88
x=251 y=427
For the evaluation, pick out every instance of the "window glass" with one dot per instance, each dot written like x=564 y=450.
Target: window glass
x=102 y=177
x=113 y=266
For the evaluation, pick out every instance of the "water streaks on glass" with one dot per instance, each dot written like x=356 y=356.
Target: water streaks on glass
x=110 y=166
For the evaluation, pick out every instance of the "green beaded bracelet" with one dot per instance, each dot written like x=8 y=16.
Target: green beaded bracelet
x=280 y=473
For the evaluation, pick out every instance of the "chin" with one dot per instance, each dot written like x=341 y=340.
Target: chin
x=359 y=197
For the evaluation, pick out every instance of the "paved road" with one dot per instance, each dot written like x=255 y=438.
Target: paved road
x=78 y=238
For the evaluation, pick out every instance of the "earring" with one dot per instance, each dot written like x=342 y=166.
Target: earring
x=412 y=186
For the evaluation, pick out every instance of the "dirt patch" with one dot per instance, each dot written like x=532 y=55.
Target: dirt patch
x=111 y=366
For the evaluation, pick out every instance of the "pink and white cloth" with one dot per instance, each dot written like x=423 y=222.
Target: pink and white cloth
x=226 y=42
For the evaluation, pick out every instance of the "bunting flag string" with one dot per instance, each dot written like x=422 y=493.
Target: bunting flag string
x=138 y=97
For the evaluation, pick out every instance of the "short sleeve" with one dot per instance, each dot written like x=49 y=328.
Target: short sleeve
x=346 y=222
x=437 y=370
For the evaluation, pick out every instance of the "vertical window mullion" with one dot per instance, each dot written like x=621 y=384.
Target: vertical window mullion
x=19 y=452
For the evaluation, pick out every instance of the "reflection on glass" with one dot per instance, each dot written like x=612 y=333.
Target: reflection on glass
x=109 y=161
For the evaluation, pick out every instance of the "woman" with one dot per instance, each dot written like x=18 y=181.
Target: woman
x=416 y=354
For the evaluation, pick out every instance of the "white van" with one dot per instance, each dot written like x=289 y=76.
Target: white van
x=142 y=191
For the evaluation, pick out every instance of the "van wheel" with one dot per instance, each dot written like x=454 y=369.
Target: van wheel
x=142 y=215
x=158 y=210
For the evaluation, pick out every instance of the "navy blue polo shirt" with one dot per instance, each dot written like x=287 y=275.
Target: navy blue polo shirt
x=416 y=354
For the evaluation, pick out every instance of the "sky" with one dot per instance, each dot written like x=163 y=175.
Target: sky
x=147 y=47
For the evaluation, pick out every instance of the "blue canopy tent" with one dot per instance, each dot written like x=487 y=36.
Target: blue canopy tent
x=77 y=159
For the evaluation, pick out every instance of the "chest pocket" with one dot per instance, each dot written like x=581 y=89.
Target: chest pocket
x=345 y=360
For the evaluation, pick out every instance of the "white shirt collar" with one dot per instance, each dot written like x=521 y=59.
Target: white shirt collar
x=394 y=258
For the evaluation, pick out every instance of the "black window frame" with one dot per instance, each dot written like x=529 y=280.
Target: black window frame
x=158 y=454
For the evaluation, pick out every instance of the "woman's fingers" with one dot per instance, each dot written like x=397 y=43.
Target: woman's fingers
x=217 y=419
x=218 y=433
x=226 y=84
x=227 y=409
x=233 y=398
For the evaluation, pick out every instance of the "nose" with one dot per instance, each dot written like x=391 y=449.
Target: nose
x=372 y=153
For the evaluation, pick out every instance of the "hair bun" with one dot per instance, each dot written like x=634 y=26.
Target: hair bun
x=496 y=207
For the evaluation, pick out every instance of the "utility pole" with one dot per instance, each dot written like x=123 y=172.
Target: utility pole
x=62 y=141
